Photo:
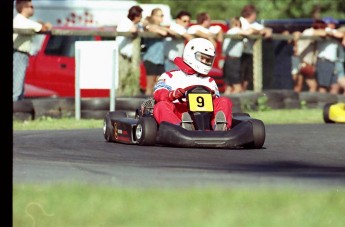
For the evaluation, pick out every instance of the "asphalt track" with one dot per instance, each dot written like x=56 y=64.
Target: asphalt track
x=307 y=156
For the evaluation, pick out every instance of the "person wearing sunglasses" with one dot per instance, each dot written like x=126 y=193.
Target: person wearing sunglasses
x=174 y=46
x=153 y=56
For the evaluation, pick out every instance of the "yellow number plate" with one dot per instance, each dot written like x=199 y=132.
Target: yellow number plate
x=200 y=102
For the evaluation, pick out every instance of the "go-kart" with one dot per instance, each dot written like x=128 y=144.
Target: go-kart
x=245 y=132
x=334 y=113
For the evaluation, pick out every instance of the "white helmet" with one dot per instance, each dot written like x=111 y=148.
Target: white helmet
x=199 y=54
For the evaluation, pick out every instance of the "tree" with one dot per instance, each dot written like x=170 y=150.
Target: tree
x=269 y=9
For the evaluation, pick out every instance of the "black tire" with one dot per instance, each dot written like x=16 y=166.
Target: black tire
x=259 y=134
x=146 y=131
x=129 y=103
x=275 y=99
x=47 y=107
x=292 y=103
x=23 y=110
x=93 y=114
x=326 y=113
x=240 y=115
x=67 y=106
x=22 y=116
x=24 y=106
x=121 y=103
x=108 y=126
x=95 y=104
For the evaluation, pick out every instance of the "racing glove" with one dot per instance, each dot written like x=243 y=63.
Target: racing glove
x=176 y=94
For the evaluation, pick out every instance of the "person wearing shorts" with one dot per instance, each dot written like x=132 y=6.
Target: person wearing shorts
x=327 y=57
x=154 y=55
x=232 y=49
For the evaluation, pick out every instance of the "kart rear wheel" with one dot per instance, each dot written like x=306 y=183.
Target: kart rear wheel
x=108 y=127
x=146 y=131
x=259 y=134
x=326 y=109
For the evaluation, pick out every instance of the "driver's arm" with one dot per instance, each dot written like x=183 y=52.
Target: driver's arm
x=161 y=89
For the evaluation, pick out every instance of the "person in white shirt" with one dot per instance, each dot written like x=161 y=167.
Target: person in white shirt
x=125 y=44
x=232 y=50
x=305 y=53
x=248 y=21
x=22 y=44
x=203 y=29
x=327 y=57
x=129 y=24
x=174 y=47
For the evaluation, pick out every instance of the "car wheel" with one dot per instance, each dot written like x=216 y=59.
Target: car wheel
x=108 y=125
x=146 y=131
x=326 y=113
x=259 y=134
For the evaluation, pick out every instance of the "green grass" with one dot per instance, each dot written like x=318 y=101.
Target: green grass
x=294 y=116
x=74 y=205
x=78 y=205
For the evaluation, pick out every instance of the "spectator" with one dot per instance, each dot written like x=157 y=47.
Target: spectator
x=130 y=24
x=305 y=57
x=203 y=29
x=174 y=47
x=339 y=36
x=198 y=57
x=232 y=50
x=248 y=21
x=283 y=51
x=154 y=54
x=327 y=56
x=22 y=44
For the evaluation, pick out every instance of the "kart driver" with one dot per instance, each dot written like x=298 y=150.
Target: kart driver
x=195 y=64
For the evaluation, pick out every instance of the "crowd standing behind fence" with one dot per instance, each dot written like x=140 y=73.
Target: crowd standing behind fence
x=22 y=44
x=248 y=22
x=315 y=61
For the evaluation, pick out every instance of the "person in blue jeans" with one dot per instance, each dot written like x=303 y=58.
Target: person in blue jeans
x=22 y=44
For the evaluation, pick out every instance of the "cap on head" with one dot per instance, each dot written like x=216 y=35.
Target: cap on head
x=330 y=20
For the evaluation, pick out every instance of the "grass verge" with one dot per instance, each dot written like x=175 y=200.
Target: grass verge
x=77 y=205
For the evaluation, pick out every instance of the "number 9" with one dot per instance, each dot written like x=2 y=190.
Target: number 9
x=200 y=101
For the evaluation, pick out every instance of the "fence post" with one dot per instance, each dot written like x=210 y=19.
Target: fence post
x=257 y=65
x=135 y=66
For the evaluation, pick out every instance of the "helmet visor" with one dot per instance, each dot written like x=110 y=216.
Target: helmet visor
x=204 y=58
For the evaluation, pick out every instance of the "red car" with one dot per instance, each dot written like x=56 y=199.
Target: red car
x=51 y=72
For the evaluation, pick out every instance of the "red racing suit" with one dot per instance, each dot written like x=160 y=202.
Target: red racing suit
x=171 y=111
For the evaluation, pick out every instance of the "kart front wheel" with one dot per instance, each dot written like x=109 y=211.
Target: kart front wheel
x=146 y=131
